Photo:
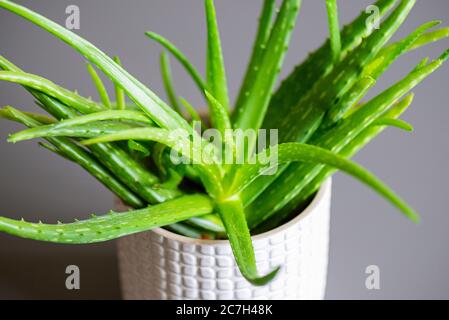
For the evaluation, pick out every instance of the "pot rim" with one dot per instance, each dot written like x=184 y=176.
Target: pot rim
x=324 y=189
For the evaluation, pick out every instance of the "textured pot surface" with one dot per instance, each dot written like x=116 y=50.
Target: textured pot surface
x=162 y=265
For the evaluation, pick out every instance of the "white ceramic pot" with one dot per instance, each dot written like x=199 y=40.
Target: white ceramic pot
x=163 y=265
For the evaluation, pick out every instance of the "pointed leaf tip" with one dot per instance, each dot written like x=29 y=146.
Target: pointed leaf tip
x=261 y=281
x=416 y=218
x=432 y=24
x=445 y=55
x=397 y=123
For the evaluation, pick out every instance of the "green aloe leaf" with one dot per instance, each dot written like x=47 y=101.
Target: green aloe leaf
x=158 y=153
x=47 y=87
x=211 y=222
x=223 y=125
x=6 y=114
x=159 y=135
x=350 y=99
x=233 y=217
x=43 y=131
x=80 y=156
x=250 y=114
x=334 y=29
x=317 y=66
x=373 y=71
x=285 y=189
x=78 y=122
x=349 y=150
x=47 y=103
x=210 y=172
x=119 y=92
x=89 y=130
x=307 y=116
x=364 y=116
x=130 y=172
x=103 y=93
x=216 y=73
x=391 y=53
x=296 y=152
x=424 y=39
x=159 y=112
x=186 y=230
x=397 y=123
x=220 y=114
x=168 y=82
x=328 y=91
x=113 y=225
x=191 y=70
x=138 y=147
x=263 y=34
x=190 y=110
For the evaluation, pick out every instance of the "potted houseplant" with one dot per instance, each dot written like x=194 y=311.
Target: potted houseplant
x=236 y=206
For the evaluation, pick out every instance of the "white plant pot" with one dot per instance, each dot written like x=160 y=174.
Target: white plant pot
x=160 y=264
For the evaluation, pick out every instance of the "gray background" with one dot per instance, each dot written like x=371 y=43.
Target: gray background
x=414 y=260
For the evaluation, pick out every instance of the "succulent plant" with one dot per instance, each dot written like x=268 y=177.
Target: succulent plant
x=316 y=111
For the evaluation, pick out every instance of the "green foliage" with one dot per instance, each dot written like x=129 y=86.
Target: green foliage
x=263 y=34
x=112 y=225
x=157 y=162
x=334 y=28
x=251 y=112
x=119 y=92
x=100 y=86
x=168 y=82
x=215 y=68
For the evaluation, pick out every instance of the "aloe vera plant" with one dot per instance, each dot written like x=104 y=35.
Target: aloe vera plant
x=161 y=163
